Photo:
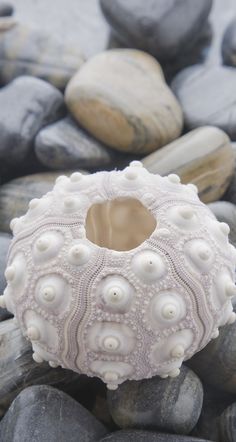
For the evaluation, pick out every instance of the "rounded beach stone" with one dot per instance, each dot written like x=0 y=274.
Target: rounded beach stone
x=228 y=47
x=19 y=370
x=44 y=413
x=6 y=9
x=227 y=424
x=216 y=363
x=159 y=27
x=203 y=156
x=172 y=405
x=30 y=51
x=16 y=195
x=120 y=96
x=26 y=105
x=65 y=144
x=226 y=212
x=214 y=403
x=205 y=99
x=147 y=436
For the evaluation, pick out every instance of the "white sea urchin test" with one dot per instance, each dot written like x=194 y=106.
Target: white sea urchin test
x=120 y=275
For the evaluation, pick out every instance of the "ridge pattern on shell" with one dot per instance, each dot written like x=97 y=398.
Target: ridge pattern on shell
x=113 y=314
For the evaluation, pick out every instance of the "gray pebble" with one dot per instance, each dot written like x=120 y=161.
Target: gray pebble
x=216 y=363
x=44 y=414
x=172 y=405
x=207 y=97
x=147 y=436
x=26 y=105
x=228 y=47
x=19 y=370
x=65 y=144
x=6 y=9
x=214 y=403
x=159 y=27
x=227 y=424
x=31 y=51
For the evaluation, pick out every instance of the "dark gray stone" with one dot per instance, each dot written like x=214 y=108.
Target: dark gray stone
x=26 y=105
x=44 y=414
x=228 y=47
x=19 y=370
x=147 y=436
x=227 y=424
x=16 y=194
x=6 y=9
x=196 y=55
x=214 y=403
x=65 y=144
x=4 y=245
x=216 y=363
x=172 y=405
x=164 y=28
x=207 y=97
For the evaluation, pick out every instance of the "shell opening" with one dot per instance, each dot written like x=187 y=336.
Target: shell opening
x=121 y=224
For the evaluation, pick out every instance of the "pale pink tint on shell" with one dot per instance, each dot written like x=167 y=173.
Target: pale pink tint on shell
x=126 y=314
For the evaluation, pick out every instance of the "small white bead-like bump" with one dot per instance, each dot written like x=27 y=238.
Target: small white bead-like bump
x=112 y=386
x=34 y=203
x=169 y=311
x=53 y=364
x=230 y=289
x=174 y=373
x=116 y=293
x=48 y=293
x=148 y=265
x=2 y=301
x=177 y=351
x=186 y=212
x=13 y=223
x=193 y=187
x=136 y=163
x=130 y=174
x=232 y=318
x=42 y=244
x=204 y=254
x=37 y=358
x=110 y=343
x=163 y=232
x=10 y=273
x=33 y=333
x=60 y=178
x=225 y=229
x=163 y=376
x=215 y=334
x=110 y=376
x=76 y=177
x=173 y=178
x=69 y=202
x=79 y=254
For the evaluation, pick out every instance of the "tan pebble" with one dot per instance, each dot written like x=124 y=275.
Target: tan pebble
x=120 y=96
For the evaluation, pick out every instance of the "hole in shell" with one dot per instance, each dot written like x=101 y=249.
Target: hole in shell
x=121 y=224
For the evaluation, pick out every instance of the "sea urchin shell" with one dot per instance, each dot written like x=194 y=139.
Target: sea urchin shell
x=120 y=275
